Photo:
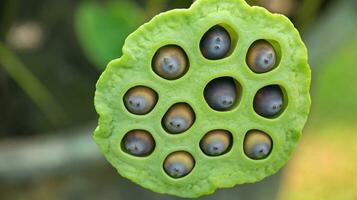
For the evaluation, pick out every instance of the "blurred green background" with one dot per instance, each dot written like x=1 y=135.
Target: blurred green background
x=52 y=52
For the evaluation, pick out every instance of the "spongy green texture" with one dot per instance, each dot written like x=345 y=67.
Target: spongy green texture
x=185 y=28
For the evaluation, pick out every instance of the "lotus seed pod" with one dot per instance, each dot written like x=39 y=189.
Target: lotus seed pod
x=261 y=57
x=221 y=93
x=257 y=145
x=179 y=164
x=269 y=101
x=138 y=143
x=140 y=100
x=236 y=107
x=178 y=118
x=170 y=62
x=216 y=43
x=216 y=142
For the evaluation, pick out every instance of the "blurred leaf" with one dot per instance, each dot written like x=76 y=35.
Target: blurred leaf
x=331 y=32
x=335 y=97
x=103 y=27
x=179 y=3
x=331 y=44
x=8 y=10
x=307 y=13
x=30 y=84
x=323 y=166
x=152 y=7
x=301 y=12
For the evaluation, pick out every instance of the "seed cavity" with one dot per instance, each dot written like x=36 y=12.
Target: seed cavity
x=179 y=164
x=261 y=57
x=140 y=100
x=269 y=101
x=215 y=43
x=257 y=145
x=170 y=62
x=138 y=143
x=178 y=118
x=222 y=93
x=216 y=143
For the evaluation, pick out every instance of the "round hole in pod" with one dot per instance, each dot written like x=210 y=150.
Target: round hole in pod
x=138 y=143
x=140 y=100
x=216 y=142
x=215 y=43
x=269 y=101
x=179 y=164
x=263 y=56
x=257 y=145
x=222 y=94
x=170 y=62
x=178 y=118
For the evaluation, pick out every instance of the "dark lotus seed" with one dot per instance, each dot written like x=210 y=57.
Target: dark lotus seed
x=170 y=62
x=140 y=100
x=261 y=57
x=179 y=164
x=216 y=142
x=269 y=101
x=215 y=43
x=221 y=93
x=178 y=118
x=138 y=143
x=257 y=145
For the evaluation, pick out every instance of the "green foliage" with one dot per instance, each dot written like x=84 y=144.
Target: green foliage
x=103 y=27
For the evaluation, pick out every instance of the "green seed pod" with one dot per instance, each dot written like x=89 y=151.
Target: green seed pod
x=257 y=145
x=179 y=164
x=140 y=100
x=138 y=143
x=178 y=118
x=261 y=57
x=185 y=28
x=170 y=62
x=216 y=142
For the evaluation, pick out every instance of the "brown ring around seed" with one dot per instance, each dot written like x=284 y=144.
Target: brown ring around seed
x=261 y=57
x=138 y=143
x=216 y=143
x=178 y=118
x=140 y=100
x=179 y=164
x=170 y=62
x=257 y=145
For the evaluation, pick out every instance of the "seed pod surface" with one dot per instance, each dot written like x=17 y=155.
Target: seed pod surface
x=220 y=90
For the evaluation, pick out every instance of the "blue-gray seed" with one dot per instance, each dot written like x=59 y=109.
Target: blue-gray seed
x=216 y=43
x=269 y=101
